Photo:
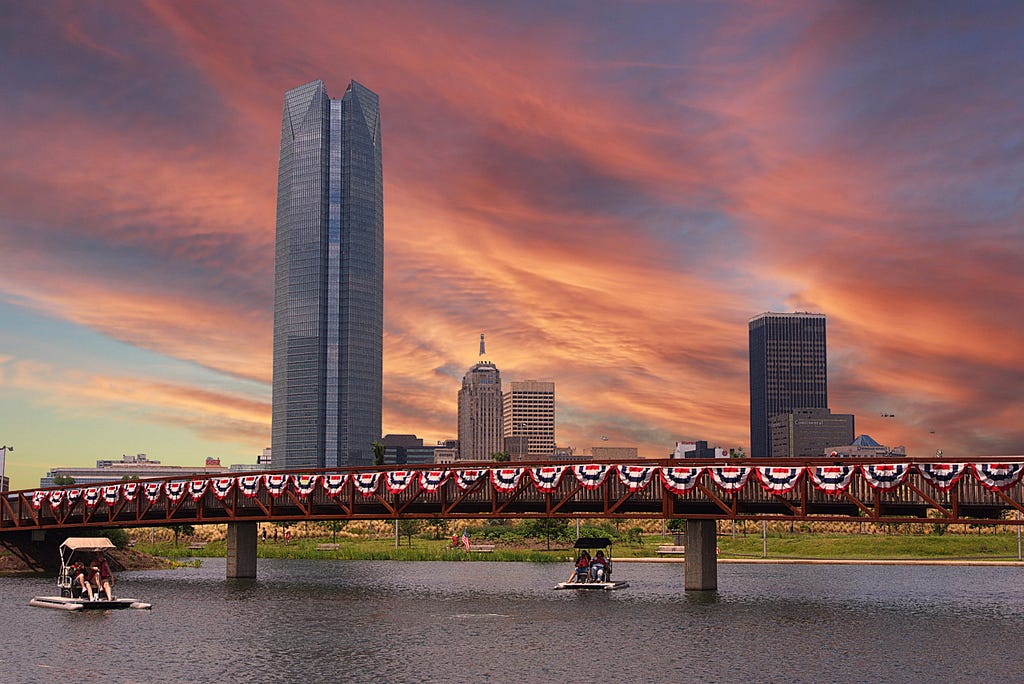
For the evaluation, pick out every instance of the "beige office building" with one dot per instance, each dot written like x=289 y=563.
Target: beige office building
x=529 y=411
x=480 y=411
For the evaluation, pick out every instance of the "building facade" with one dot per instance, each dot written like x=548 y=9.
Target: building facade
x=132 y=467
x=787 y=371
x=480 y=413
x=329 y=280
x=406 y=450
x=809 y=432
x=529 y=411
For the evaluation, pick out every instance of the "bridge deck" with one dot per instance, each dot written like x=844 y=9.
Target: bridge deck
x=920 y=490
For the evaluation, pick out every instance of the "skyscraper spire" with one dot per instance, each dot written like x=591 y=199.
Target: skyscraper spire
x=482 y=352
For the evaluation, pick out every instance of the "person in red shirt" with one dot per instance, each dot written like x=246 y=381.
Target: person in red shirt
x=582 y=567
x=101 y=577
x=78 y=576
x=600 y=568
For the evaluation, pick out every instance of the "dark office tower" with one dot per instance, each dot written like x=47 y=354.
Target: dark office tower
x=787 y=371
x=329 y=280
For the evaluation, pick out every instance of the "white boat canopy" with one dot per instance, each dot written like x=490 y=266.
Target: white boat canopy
x=88 y=544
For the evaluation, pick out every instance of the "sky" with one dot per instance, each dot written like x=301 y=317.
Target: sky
x=609 y=190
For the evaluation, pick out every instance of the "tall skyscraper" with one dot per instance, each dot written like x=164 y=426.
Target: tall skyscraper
x=329 y=280
x=480 y=413
x=529 y=411
x=787 y=371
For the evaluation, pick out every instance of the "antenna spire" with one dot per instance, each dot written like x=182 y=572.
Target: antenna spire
x=482 y=344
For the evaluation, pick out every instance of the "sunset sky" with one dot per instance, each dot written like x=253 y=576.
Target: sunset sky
x=609 y=191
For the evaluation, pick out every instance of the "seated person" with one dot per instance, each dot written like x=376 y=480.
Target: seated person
x=582 y=568
x=101 y=577
x=600 y=568
x=76 y=571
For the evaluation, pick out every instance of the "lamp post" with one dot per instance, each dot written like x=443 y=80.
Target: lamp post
x=3 y=461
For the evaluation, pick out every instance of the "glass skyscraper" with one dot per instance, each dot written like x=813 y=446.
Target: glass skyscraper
x=787 y=371
x=329 y=280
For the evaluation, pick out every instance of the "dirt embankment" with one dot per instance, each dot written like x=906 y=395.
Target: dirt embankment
x=119 y=559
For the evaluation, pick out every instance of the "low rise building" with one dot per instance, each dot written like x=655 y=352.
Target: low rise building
x=808 y=432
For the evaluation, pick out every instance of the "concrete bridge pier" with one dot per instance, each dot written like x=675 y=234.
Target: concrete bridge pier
x=241 y=554
x=701 y=555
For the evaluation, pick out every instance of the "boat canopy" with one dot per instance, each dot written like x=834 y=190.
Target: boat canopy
x=88 y=544
x=592 y=543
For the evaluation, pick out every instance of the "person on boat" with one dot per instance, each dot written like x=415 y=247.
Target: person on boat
x=582 y=568
x=101 y=577
x=76 y=571
x=600 y=568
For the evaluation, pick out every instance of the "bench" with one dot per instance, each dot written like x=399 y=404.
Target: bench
x=195 y=546
x=328 y=547
x=481 y=548
x=671 y=548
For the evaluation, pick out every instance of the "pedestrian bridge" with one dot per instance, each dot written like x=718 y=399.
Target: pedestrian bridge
x=983 y=490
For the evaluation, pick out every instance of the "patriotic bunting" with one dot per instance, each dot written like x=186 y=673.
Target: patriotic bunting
x=506 y=479
x=38 y=498
x=175 y=490
x=942 y=476
x=304 y=484
x=111 y=493
x=396 y=481
x=832 y=479
x=431 y=480
x=72 y=495
x=779 y=480
x=590 y=476
x=998 y=476
x=365 y=483
x=730 y=478
x=635 y=477
x=222 y=486
x=56 y=496
x=464 y=479
x=886 y=476
x=275 y=484
x=680 y=480
x=92 y=496
x=196 y=489
x=547 y=478
x=130 y=490
x=249 y=485
x=152 y=490
x=333 y=484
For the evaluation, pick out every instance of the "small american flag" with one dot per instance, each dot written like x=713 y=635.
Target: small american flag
x=465 y=540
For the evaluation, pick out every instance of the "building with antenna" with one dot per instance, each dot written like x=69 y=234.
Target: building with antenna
x=480 y=411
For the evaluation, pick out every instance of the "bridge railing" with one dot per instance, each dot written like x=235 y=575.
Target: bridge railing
x=930 y=490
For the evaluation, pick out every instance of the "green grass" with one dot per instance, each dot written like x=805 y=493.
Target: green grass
x=788 y=546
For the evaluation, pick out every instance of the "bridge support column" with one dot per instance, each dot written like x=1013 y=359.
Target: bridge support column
x=241 y=555
x=701 y=555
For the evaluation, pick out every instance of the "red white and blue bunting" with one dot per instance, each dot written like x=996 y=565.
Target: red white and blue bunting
x=92 y=496
x=397 y=481
x=547 y=478
x=152 y=490
x=365 y=483
x=998 y=477
x=56 y=496
x=222 y=486
x=681 y=480
x=506 y=479
x=111 y=493
x=72 y=495
x=431 y=480
x=175 y=490
x=591 y=476
x=730 y=478
x=833 y=479
x=275 y=484
x=304 y=484
x=130 y=490
x=196 y=489
x=249 y=485
x=333 y=484
x=779 y=480
x=885 y=476
x=464 y=479
x=942 y=476
x=635 y=477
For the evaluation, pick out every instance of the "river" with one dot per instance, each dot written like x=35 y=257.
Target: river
x=356 y=621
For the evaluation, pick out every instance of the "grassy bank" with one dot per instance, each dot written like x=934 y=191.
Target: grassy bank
x=804 y=545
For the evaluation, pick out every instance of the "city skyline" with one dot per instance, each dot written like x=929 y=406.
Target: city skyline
x=610 y=195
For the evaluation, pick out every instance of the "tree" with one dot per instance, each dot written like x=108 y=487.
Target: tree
x=63 y=480
x=378 y=453
x=334 y=527
x=129 y=478
x=179 y=530
x=501 y=456
x=407 y=528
